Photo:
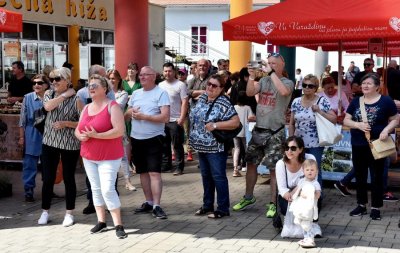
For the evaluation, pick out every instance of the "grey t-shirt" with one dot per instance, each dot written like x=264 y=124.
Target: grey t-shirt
x=271 y=107
x=177 y=91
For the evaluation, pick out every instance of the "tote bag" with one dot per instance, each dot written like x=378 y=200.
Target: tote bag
x=328 y=133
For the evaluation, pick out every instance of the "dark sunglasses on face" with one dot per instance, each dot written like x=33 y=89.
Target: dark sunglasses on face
x=292 y=148
x=308 y=85
x=57 y=79
x=38 y=83
x=93 y=86
x=213 y=85
x=367 y=64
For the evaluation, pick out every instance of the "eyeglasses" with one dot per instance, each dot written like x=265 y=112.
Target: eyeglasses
x=57 y=79
x=145 y=75
x=277 y=55
x=292 y=148
x=308 y=86
x=212 y=85
x=367 y=64
x=93 y=86
x=38 y=83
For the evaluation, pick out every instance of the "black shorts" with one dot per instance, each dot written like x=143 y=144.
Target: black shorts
x=147 y=154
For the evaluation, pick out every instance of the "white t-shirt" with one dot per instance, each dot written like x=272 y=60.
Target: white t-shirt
x=150 y=103
x=177 y=91
x=299 y=79
x=292 y=178
x=243 y=112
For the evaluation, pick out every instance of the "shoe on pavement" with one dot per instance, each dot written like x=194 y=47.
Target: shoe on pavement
x=29 y=199
x=120 y=232
x=159 y=213
x=89 y=209
x=68 y=220
x=244 y=203
x=271 y=210
x=389 y=197
x=100 y=227
x=145 y=208
x=236 y=173
x=342 y=189
x=307 y=243
x=44 y=218
x=358 y=211
x=375 y=214
x=178 y=173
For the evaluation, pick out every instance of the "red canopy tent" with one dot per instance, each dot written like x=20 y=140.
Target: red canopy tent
x=10 y=21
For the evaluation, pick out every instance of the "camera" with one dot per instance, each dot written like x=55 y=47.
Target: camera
x=255 y=64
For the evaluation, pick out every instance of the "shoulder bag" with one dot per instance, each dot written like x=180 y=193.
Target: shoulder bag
x=223 y=136
x=379 y=148
x=328 y=133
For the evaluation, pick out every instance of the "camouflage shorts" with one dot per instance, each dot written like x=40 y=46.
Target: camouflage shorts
x=267 y=153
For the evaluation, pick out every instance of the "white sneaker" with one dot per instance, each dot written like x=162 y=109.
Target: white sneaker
x=244 y=169
x=44 y=218
x=68 y=220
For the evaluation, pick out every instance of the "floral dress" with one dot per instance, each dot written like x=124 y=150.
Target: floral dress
x=304 y=117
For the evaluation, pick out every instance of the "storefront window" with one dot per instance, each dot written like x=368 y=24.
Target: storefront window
x=108 y=38
x=45 y=55
x=11 y=53
x=30 y=31
x=30 y=58
x=109 y=58
x=60 y=55
x=84 y=61
x=61 y=34
x=95 y=37
x=46 y=32
x=12 y=35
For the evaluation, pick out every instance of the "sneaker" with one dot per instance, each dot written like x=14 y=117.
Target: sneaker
x=100 y=227
x=358 y=211
x=375 y=214
x=44 y=218
x=120 y=232
x=307 y=243
x=145 y=208
x=178 y=173
x=29 y=199
x=68 y=220
x=89 y=209
x=244 y=203
x=159 y=213
x=342 y=189
x=244 y=169
x=389 y=197
x=189 y=157
x=271 y=210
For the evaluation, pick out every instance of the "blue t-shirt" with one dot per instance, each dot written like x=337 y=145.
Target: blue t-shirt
x=150 y=103
x=378 y=115
x=200 y=139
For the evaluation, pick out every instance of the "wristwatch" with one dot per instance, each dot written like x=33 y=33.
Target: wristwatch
x=214 y=126
x=272 y=71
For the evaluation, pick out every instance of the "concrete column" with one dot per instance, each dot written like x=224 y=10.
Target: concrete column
x=131 y=33
x=321 y=60
x=73 y=52
x=239 y=51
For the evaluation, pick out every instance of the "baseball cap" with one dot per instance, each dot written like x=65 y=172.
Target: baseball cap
x=183 y=70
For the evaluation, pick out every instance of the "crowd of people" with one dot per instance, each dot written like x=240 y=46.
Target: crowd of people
x=143 y=124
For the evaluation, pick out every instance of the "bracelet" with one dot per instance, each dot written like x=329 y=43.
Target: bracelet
x=251 y=78
x=272 y=71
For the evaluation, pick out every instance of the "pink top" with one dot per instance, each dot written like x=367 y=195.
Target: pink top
x=100 y=149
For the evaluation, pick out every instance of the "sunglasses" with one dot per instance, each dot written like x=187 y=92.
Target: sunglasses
x=212 y=85
x=367 y=64
x=308 y=85
x=292 y=148
x=38 y=83
x=277 y=55
x=57 y=79
x=93 y=85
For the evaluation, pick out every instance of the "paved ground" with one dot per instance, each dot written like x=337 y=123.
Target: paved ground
x=247 y=231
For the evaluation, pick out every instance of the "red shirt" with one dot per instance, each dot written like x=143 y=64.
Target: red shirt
x=100 y=149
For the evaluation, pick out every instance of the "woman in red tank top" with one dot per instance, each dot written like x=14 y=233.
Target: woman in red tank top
x=100 y=131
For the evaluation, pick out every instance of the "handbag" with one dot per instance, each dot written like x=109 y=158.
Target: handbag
x=328 y=133
x=40 y=117
x=379 y=148
x=224 y=136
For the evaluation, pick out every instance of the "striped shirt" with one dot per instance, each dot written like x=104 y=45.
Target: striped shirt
x=63 y=138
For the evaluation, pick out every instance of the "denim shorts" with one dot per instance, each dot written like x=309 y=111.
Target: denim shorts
x=267 y=153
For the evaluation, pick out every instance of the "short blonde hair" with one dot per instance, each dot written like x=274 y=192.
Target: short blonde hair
x=313 y=79
x=310 y=163
x=63 y=72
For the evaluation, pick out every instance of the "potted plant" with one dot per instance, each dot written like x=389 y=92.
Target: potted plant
x=5 y=186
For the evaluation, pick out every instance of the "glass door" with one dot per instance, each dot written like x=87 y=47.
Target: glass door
x=30 y=58
x=45 y=55
x=11 y=53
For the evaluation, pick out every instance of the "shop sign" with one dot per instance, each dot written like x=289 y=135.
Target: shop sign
x=84 y=9
x=11 y=49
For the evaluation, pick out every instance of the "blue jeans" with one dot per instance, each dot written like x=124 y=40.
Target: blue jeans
x=29 y=170
x=213 y=174
x=317 y=152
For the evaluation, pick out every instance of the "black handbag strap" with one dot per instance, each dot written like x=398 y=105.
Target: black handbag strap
x=209 y=109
